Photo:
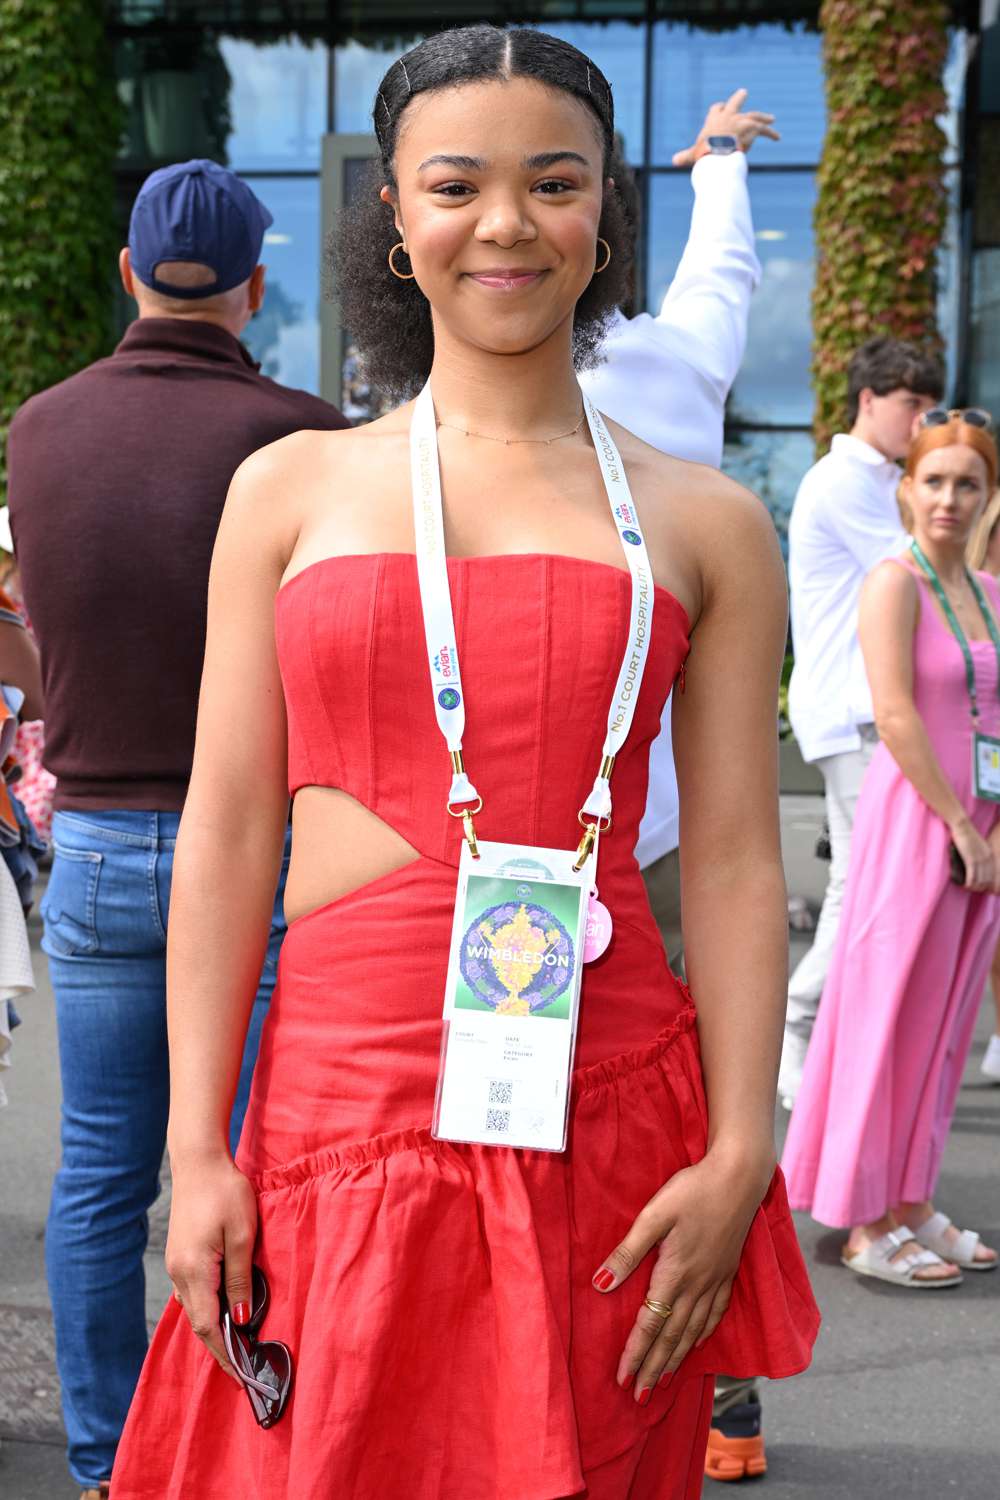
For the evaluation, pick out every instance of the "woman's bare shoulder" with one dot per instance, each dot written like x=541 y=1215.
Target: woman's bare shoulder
x=890 y=596
x=309 y=452
x=281 y=487
x=722 y=517
x=894 y=578
x=672 y=484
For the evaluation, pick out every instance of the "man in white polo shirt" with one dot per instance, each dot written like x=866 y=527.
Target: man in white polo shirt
x=666 y=378
x=845 y=520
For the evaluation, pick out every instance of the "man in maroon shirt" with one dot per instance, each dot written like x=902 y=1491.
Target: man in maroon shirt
x=117 y=482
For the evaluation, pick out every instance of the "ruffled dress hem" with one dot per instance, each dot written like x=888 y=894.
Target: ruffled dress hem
x=374 y=1248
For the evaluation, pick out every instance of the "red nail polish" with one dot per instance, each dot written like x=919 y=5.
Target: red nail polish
x=626 y=1383
x=645 y=1395
x=603 y=1279
x=241 y=1313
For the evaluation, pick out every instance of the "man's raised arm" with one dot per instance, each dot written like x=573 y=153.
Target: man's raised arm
x=701 y=326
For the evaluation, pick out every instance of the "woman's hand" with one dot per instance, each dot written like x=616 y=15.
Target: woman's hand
x=979 y=854
x=700 y=1220
x=213 y=1222
x=993 y=840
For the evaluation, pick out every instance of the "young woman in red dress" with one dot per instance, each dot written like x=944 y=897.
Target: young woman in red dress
x=472 y=1322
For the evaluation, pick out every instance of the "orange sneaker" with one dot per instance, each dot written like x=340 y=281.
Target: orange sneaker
x=736 y=1444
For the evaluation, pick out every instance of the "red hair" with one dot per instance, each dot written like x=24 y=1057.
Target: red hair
x=945 y=435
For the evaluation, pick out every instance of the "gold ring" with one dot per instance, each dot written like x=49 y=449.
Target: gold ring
x=661 y=1309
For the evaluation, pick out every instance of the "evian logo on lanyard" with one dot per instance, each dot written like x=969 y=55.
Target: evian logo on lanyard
x=439 y=624
x=445 y=661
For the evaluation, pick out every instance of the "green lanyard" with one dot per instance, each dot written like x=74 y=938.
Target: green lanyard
x=956 y=629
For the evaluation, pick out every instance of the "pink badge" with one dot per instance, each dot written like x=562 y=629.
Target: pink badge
x=598 y=930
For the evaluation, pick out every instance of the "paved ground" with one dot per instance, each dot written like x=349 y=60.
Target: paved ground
x=900 y=1404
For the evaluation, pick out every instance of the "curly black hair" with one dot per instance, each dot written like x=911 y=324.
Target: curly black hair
x=390 y=319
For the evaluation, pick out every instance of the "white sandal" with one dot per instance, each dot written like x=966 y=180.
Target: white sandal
x=932 y=1233
x=876 y=1259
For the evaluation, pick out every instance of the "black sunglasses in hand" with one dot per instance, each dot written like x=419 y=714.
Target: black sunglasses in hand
x=263 y=1365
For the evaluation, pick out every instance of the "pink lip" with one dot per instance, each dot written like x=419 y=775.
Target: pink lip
x=505 y=279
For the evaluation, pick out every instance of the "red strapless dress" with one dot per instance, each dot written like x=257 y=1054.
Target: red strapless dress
x=447 y=1342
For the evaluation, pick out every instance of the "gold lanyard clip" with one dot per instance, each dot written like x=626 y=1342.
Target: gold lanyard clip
x=585 y=845
x=470 y=834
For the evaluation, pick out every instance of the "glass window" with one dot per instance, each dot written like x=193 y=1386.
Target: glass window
x=174 y=86
x=358 y=70
x=989 y=65
x=782 y=68
x=955 y=68
x=772 y=465
x=949 y=278
x=284 y=335
x=618 y=49
x=670 y=204
x=984 y=332
x=773 y=383
x=277 y=104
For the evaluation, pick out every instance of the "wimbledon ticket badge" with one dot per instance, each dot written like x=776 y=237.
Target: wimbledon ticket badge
x=512 y=997
x=986 y=767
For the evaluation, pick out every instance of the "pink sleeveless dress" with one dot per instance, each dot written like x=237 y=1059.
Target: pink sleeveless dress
x=437 y=1298
x=913 y=953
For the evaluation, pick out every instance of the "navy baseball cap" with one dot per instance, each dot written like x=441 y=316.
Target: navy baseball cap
x=197 y=211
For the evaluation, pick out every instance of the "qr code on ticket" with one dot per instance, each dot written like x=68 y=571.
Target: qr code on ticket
x=501 y=1091
x=498 y=1120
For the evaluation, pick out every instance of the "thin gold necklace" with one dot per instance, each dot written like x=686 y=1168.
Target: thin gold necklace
x=489 y=438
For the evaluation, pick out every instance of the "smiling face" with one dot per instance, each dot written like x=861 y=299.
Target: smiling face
x=946 y=494
x=498 y=198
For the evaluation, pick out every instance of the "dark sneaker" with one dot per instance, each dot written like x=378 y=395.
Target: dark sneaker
x=736 y=1444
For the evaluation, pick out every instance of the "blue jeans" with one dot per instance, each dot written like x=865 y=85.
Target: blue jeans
x=105 y=914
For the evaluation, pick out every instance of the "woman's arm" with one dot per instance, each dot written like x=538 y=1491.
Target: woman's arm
x=19 y=666
x=735 y=930
x=888 y=613
x=732 y=880
x=225 y=873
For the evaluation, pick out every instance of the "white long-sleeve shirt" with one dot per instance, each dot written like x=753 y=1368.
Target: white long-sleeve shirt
x=844 y=521
x=666 y=378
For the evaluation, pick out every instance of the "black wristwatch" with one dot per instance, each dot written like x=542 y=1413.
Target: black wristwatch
x=723 y=145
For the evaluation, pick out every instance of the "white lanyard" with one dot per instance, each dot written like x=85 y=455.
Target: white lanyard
x=439 y=622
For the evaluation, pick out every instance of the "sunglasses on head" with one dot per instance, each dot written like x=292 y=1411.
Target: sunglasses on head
x=263 y=1365
x=974 y=416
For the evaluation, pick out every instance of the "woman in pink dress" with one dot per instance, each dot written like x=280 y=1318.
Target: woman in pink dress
x=921 y=915
x=984 y=552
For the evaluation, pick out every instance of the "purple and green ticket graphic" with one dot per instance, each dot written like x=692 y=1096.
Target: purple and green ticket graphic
x=518 y=953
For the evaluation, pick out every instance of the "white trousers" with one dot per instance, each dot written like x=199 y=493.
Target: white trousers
x=842 y=776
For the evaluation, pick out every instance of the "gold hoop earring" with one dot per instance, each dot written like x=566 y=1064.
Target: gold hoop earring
x=400 y=245
x=607 y=258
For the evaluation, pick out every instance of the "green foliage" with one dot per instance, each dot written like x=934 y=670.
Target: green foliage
x=881 y=209
x=59 y=127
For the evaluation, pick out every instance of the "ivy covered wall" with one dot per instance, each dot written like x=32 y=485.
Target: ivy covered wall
x=59 y=125
x=880 y=213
